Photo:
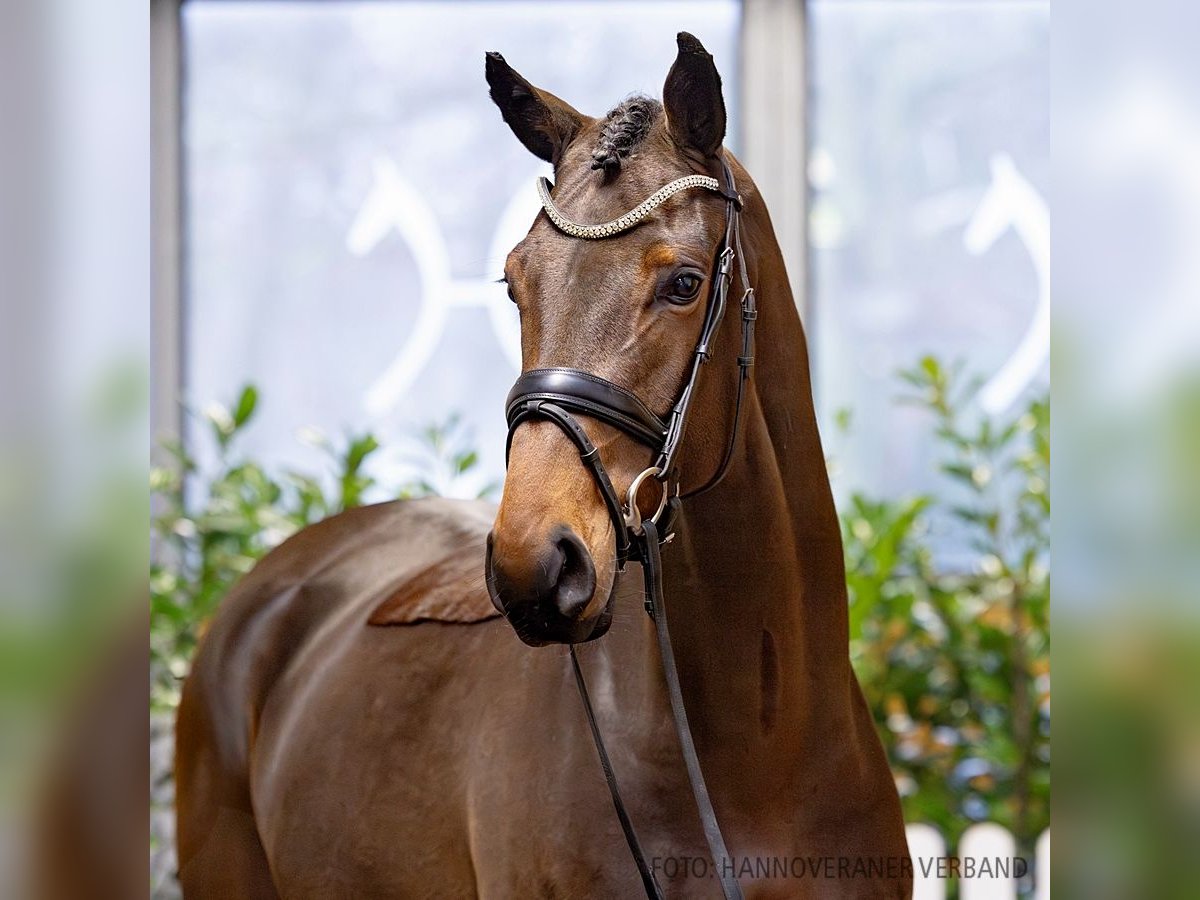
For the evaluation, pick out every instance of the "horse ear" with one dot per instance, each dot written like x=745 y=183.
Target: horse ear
x=692 y=99
x=542 y=122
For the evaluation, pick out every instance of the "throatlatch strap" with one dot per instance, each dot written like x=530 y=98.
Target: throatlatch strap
x=652 y=570
x=653 y=891
x=745 y=361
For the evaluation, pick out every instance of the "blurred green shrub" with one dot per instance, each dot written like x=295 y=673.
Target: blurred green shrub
x=954 y=658
x=210 y=527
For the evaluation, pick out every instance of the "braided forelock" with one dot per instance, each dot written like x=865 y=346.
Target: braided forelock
x=624 y=127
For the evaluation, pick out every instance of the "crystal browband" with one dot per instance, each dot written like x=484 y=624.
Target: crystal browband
x=629 y=219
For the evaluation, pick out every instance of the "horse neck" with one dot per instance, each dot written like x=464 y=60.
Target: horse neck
x=755 y=580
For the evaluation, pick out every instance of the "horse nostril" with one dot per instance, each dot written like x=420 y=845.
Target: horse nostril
x=576 y=582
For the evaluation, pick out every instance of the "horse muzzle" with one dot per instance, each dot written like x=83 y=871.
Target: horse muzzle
x=545 y=593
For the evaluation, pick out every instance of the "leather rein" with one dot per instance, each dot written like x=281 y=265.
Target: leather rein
x=559 y=394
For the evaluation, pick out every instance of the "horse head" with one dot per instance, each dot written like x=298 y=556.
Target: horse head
x=627 y=308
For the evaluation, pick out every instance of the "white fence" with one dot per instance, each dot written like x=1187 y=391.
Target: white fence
x=984 y=866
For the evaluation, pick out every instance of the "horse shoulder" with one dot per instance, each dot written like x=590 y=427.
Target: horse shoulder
x=390 y=563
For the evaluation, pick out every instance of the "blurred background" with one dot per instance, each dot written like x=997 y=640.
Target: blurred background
x=331 y=196
x=347 y=198
x=341 y=195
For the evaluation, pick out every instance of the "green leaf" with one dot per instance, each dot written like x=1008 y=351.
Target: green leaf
x=843 y=418
x=359 y=450
x=246 y=404
x=959 y=472
x=465 y=461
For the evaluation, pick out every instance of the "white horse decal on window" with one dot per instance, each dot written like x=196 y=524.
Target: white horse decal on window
x=393 y=204
x=1011 y=201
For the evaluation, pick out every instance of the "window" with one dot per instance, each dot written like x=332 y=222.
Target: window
x=928 y=226
x=352 y=194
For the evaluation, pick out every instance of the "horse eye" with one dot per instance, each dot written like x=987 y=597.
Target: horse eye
x=508 y=288
x=685 y=287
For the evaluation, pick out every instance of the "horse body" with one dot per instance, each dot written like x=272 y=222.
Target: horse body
x=359 y=721
x=324 y=757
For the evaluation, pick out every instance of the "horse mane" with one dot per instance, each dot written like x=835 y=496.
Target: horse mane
x=625 y=126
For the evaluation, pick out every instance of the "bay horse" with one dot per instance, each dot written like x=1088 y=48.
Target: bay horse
x=360 y=720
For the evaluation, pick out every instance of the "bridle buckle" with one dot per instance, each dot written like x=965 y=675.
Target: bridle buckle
x=725 y=262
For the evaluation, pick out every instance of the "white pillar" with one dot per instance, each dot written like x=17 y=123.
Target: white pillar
x=773 y=124
x=166 y=226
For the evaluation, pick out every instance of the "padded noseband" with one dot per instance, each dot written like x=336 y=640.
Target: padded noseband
x=590 y=395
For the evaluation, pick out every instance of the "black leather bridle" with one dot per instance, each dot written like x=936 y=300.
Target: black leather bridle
x=559 y=394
